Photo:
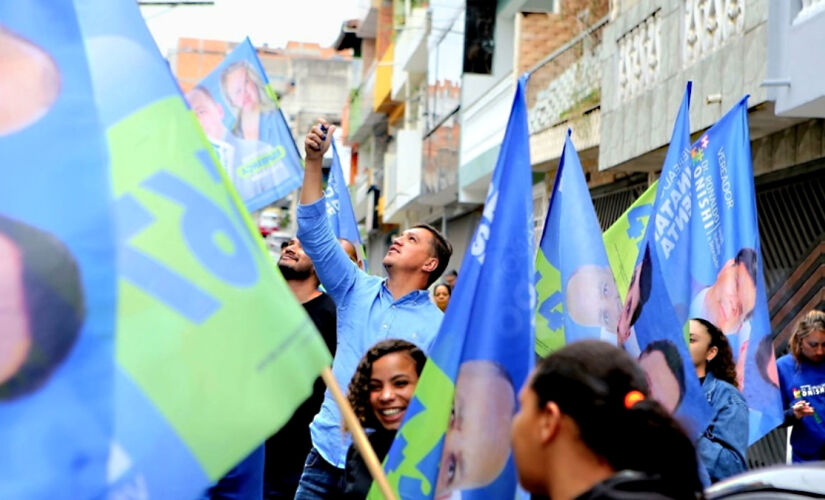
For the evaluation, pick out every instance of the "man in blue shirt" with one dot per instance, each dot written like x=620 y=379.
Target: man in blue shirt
x=370 y=308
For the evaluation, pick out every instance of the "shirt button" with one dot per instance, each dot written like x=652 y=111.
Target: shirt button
x=385 y=326
x=393 y=306
x=415 y=336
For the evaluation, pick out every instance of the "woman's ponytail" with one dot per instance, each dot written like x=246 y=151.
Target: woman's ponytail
x=606 y=393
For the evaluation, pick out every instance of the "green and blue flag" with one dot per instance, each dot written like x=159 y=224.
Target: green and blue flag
x=154 y=344
x=577 y=294
x=456 y=433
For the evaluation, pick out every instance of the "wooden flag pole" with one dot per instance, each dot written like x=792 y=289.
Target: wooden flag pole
x=358 y=435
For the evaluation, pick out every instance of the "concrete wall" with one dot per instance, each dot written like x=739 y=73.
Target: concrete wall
x=649 y=53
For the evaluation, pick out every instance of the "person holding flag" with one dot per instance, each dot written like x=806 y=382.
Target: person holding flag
x=802 y=381
x=455 y=437
x=369 y=308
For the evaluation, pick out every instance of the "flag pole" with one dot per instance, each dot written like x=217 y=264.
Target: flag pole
x=359 y=438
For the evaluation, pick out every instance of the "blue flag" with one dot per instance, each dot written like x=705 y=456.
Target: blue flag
x=672 y=209
x=456 y=433
x=339 y=206
x=577 y=295
x=727 y=284
x=650 y=327
x=239 y=113
x=57 y=262
x=125 y=258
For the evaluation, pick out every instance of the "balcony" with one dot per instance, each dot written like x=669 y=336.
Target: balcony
x=362 y=115
x=795 y=76
x=564 y=92
x=410 y=65
x=402 y=175
x=652 y=48
x=382 y=98
x=482 y=129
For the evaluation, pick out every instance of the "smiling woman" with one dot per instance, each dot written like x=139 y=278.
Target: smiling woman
x=380 y=392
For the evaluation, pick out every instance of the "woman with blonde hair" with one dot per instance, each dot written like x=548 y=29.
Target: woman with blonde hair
x=245 y=92
x=802 y=383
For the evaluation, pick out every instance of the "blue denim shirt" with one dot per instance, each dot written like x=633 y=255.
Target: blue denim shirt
x=367 y=313
x=723 y=446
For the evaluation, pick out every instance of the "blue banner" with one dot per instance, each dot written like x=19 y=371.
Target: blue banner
x=57 y=284
x=727 y=285
x=456 y=434
x=704 y=232
x=125 y=258
x=339 y=206
x=650 y=326
x=577 y=295
x=240 y=115
x=672 y=209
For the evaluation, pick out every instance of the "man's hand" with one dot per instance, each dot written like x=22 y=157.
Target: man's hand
x=802 y=409
x=316 y=144
x=318 y=140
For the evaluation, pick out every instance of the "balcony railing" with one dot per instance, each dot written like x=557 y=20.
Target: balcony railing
x=566 y=83
x=709 y=24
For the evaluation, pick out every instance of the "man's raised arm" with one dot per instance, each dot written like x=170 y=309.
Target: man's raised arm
x=336 y=272
x=316 y=144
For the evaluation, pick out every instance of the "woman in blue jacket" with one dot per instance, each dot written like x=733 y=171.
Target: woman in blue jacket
x=723 y=445
x=802 y=382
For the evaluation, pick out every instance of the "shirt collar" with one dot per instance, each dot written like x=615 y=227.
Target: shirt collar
x=416 y=296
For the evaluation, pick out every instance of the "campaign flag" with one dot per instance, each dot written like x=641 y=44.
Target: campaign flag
x=339 y=206
x=239 y=113
x=725 y=271
x=650 y=326
x=624 y=238
x=672 y=210
x=577 y=295
x=126 y=261
x=58 y=261
x=456 y=432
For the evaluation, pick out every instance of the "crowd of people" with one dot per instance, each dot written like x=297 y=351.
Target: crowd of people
x=577 y=425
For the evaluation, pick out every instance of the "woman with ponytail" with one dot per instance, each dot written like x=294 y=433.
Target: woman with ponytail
x=723 y=445
x=588 y=429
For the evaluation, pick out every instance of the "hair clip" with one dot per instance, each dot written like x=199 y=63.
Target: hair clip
x=633 y=397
